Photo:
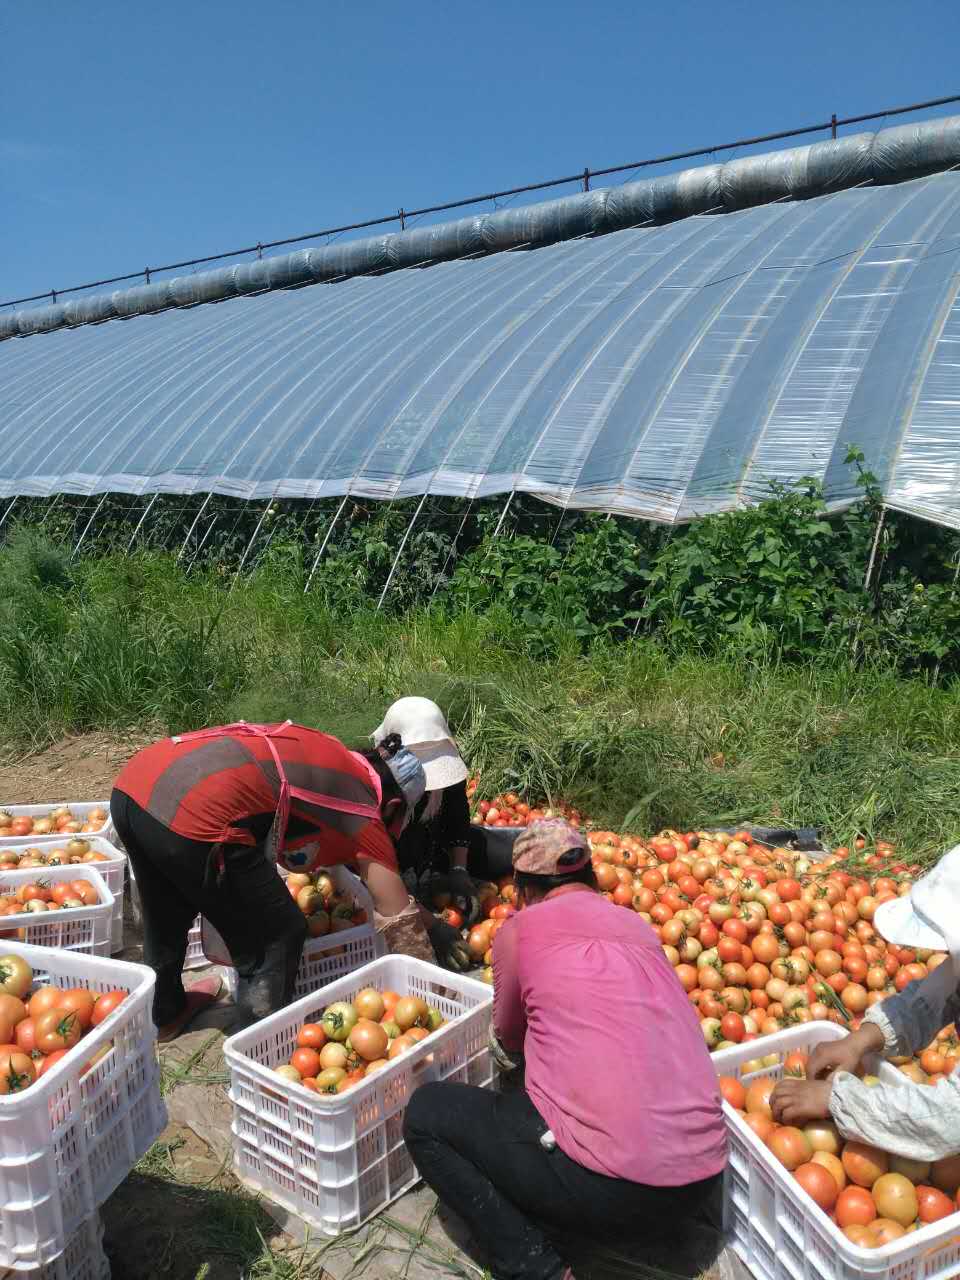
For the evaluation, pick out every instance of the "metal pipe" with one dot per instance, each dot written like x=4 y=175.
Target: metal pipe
x=133 y=536
x=196 y=520
x=88 y=524
x=323 y=544
x=873 y=550
x=396 y=558
x=203 y=542
x=8 y=510
x=453 y=544
x=503 y=513
x=253 y=538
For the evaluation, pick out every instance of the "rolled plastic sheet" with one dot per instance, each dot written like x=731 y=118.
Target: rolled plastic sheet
x=891 y=155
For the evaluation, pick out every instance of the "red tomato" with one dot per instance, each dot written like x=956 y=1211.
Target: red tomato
x=57 y=1029
x=105 y=1005
x=788 y=890
x=306 y=1061
x=791 y=1146
x=17 y=1071
x=732 y=1091
x=728 y=949
x=25 y=1036
x=819 y=1184
x=81 y=1002
x=49 y=1061
x=311 y=1036
x=933 y=1204
x=43 y=1000
x=85 y=891
x=855 y=1207
x=732 y=1027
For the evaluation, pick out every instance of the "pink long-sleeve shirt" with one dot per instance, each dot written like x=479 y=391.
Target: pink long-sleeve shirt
x=615 y=1060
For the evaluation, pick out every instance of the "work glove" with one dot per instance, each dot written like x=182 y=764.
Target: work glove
x=462 y=888
x=449 y=947
x=506 y=1061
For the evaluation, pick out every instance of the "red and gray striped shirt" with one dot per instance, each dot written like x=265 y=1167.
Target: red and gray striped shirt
x=225 y=789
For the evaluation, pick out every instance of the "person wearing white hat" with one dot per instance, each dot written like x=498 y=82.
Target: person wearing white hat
x=916 y=1121
x=440 y=830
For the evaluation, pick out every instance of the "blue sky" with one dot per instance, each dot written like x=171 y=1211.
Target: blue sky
x=136 y=134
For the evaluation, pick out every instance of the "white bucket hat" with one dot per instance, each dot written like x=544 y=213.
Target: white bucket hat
x=929 y=916
x=423 y=728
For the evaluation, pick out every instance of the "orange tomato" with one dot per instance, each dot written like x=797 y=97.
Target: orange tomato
x=855 y=1207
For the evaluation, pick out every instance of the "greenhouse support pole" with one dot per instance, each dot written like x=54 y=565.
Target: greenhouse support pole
x=453 y=547
x=203 y=542
x=86 y=529
x=253 y=537
x=323 y=544
x=873 y=549
x=43 y=518
x=196 y=521
x=13 y=503
x=503 y=513
x=396 y=558
x=147 y=510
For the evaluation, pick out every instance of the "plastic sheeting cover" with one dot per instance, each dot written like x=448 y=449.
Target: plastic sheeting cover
x=660 y=371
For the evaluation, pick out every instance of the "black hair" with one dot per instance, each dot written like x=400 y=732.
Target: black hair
x=536 y=887
x=378 y=757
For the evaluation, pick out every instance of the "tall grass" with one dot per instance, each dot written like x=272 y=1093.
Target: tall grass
x=118 y=643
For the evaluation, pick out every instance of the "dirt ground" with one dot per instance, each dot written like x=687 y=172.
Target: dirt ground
x=181 y=1214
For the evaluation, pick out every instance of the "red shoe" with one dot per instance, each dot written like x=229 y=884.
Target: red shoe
x=200 y=997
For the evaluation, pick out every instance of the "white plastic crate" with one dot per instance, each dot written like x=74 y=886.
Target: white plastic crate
x=83 y=1258
x=337 y=1160
x=84 y=929
x=113 y=871
x=335 y=954
x=773 y=1225
x=68 y=1141
x=79 y=808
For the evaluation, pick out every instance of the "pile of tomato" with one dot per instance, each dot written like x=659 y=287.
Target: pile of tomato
x=355 y=1039
x=74 y=853
x=872 y=1196
x=762 y=939
x=58 y=820
x=510 y=810
x=41 y=1025
x=33 y=898
x=327 y=909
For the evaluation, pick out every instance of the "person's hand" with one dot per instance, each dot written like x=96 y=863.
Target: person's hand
x=798 y=1101
x=845 y=1055
x=459 y=884
x=449 y=947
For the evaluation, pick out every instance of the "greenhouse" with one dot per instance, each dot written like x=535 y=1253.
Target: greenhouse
x=661 y=349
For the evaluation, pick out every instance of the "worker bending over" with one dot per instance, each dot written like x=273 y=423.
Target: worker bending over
x=204 y=818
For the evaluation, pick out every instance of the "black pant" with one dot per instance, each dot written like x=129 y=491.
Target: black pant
x=536 y=1211
x=250 y=906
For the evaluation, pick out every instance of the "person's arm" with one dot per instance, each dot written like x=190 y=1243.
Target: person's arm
x=911 y=1019
x=509 y=1019
x=897 y=1027
x=918 y=1121
x=452 y=824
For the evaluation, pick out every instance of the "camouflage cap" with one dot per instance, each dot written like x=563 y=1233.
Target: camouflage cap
x=550 y=847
